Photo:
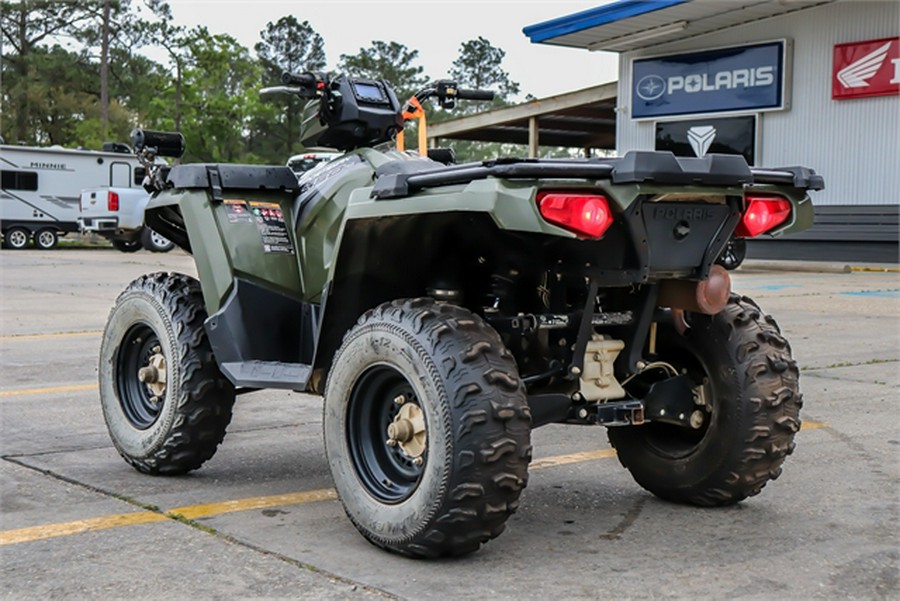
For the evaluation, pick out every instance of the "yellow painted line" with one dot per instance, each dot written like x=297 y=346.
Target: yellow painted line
x=52 y=390
x=52 y=335
x=211 y=509
x=24 y=535
x=571 y=458
x=876 y=269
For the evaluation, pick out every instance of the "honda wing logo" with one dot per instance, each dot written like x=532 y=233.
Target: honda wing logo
x=858 y=73
x=700 y=138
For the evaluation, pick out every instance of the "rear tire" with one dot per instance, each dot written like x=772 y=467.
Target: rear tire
x=753 y=390
x=16 y=238
x=172 y=424
x=45 y=239
x=127 y=246
x=154 y=242
x=454 y=373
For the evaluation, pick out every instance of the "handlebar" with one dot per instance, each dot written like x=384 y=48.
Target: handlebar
x=475 y=95
x=298 y=79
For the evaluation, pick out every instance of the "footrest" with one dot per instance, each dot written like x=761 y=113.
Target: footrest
x=268 y=374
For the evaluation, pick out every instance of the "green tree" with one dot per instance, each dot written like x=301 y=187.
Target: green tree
x=386 y=60
x=295 y=47
x=25 y=26
x=220 y=99
x=479 y=66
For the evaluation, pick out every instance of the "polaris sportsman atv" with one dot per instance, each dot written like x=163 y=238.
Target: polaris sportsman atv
x=445 y=310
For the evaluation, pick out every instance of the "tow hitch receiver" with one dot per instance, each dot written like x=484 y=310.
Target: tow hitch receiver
x=670 y=401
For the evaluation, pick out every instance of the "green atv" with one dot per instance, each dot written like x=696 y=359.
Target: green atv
x=445 y=310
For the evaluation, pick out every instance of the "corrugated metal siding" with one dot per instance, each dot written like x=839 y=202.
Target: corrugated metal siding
x=855 y=144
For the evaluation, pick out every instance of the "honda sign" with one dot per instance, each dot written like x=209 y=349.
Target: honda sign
x=870 y=68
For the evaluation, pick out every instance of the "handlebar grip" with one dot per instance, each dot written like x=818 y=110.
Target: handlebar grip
x=293 y=79
x=474 y=94
x=167 y=144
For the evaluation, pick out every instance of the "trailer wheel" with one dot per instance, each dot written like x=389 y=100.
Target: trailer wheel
x=45 y=239
x=154 y=242
x=749 y=402
x=165 y=402
x=427 y=430
x=16 y=238
x=127 y=246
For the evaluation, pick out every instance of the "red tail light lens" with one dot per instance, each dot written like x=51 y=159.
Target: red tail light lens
x=761 y=215
x=112 y=201
x=587 y=215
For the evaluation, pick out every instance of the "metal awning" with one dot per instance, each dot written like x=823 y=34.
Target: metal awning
x=582 y=119
x=634 y=24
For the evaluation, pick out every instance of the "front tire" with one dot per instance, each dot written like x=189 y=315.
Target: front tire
x=165 y=402
x=451 y=481
x=753 y=411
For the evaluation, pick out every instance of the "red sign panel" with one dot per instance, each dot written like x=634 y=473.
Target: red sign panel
x=870 y=68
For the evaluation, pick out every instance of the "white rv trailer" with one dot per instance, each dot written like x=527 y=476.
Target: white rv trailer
x=41 y=187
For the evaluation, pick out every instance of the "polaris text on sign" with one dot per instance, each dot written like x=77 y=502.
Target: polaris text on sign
x=744 y=78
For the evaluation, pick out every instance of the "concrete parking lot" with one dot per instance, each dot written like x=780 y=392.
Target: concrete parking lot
x=261 y=520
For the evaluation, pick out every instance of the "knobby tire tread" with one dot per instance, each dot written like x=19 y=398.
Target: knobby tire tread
x=205 y=398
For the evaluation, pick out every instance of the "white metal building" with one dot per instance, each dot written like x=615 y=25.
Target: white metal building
x=811 y=82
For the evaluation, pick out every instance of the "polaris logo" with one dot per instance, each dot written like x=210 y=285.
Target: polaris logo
x=683 y=213
x=700 y=138
x=723 y=80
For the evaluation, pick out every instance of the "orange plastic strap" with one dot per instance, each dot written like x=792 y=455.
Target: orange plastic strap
x=417 y=112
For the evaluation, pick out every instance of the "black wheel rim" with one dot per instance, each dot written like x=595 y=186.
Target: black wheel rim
x=386 y=472
x=135 y=396
x=669 y=440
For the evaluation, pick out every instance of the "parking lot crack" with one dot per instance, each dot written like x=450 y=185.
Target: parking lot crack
x=627 y=521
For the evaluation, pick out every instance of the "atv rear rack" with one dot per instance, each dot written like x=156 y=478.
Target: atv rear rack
x=401 y=178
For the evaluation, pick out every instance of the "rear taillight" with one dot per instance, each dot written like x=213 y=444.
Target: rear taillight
x=763 y=213
x=587 y=215
x=112 y=201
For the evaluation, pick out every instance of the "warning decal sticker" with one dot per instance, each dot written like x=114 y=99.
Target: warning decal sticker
x=271 y=226
x=237 y=211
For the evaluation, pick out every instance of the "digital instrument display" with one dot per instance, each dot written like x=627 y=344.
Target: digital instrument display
x=368 y=92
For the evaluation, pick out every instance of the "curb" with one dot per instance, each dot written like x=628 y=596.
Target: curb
x=757 y=265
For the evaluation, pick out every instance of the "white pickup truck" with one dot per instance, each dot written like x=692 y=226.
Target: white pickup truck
x=117 y=214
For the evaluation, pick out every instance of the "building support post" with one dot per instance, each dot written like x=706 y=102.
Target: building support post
x=533 y=135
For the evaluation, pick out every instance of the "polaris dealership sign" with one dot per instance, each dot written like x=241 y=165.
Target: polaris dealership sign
x=744 y=78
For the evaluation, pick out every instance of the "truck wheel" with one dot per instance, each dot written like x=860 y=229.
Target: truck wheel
x=427 y=430
x=750 y=411
x=733 y=254
x=165 y=402
x=45 y=239
x=127 y=246
x=154 y=242
x=16 y=238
